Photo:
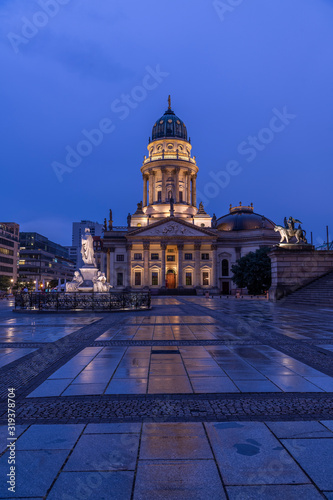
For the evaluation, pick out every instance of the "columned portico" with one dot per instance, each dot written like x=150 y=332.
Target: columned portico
x=151 y=187
x=145 y=180
x=163 y=185
x=197 y=281
x=129 y=264
x=108 y=265
x=163 y=248
x=146 y=264
x=188 y=188
x=194 y=190
x=177 y=185
x=214 y=276
x=180 y=248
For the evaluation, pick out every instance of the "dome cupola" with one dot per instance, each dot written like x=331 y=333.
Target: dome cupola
x=169 y=125
x=243 y=218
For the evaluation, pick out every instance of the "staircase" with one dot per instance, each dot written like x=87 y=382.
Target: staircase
x=317 y=293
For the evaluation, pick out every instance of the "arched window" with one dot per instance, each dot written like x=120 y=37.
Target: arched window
x=170 y=195
x=225 y=267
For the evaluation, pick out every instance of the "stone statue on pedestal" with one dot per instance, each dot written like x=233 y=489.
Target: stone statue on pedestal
x=289 y=231
x=172 y=211
x=87 y=249
x=73 y=286
x=100 y=284
x=89 y=278
x=214 y=222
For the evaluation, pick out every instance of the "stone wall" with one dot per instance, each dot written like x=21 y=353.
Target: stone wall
x=294 y=266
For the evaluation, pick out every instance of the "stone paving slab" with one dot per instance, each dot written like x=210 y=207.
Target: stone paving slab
x=274 y=492
x=154 y=445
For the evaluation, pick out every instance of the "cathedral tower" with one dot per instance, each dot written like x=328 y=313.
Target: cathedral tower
x=169 y=175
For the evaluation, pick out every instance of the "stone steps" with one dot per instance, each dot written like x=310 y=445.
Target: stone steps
x=317 y=293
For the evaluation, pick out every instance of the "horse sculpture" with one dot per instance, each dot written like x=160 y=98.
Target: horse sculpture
x=289 y=231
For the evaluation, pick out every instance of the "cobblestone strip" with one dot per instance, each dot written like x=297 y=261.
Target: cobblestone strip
x=29 y=371
x=259 y=328
x=174 y=408
x=109 y=343
x=20 y=345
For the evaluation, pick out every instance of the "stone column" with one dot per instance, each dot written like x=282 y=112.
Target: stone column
x=194 y=190
x=197 y=281
x=177 y=185
x=163 y=185
x=214 y=275
x=144 y=176
x=154 y=195
x=129 y=265
x=111 y=267
x=108 y=266
x=151 y=188
x=163 y=248
x=146 y=264
x=180 y=264
x=188 y=188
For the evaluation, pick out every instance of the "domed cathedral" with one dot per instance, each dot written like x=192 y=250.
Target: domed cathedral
x=169 y=174
x=169 y=243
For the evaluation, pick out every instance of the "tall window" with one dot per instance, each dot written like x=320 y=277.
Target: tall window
x=225 y=267
x=159 y=196
x=180 y=196
x=154 y=278
x=137 y=278
x=205 y=278
x=120 y=279
x=188 y=279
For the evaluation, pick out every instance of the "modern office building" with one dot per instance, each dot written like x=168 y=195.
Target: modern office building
x=9 y=249
x=42 y=259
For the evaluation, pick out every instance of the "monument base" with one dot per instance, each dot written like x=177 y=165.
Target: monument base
x=88 y=275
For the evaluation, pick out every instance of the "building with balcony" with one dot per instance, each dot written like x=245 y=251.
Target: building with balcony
x=170 y=242
x=9 y=249
x=43 y=260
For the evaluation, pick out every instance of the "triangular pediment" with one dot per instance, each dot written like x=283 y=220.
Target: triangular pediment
x=172 y=226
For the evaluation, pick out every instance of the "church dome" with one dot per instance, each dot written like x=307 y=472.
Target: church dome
x=242 y=218
x=169 y=125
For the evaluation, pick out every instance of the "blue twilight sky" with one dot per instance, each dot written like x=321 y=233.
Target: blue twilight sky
x=252 y=82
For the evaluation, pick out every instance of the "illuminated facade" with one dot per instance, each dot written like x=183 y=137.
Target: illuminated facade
x=169 y=242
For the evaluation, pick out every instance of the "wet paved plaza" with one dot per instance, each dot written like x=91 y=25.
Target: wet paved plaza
x=196 y=398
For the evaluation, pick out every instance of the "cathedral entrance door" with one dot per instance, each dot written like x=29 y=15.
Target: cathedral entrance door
x=171 y=279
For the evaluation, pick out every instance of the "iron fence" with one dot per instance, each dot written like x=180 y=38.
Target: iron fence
x=94 y=301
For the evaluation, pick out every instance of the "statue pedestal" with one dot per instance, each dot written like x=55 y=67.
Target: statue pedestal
x=295 y=246
x=88 y=274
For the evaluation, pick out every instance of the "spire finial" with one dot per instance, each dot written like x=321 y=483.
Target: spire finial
x=169 y=102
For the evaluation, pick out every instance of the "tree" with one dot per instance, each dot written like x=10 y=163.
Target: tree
x=4 y=283
x=253 y=271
